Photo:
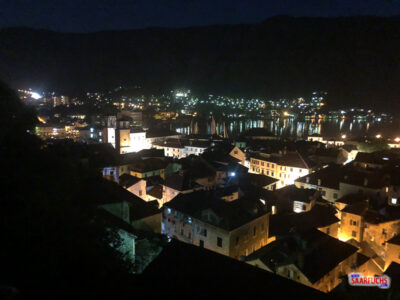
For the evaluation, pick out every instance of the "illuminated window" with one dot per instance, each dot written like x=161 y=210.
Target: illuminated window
x=394 y=200
x=168 y=210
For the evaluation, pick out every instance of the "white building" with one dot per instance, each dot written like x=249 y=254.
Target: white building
x=285 y=166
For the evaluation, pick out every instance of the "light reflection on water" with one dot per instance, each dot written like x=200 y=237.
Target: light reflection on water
x=295 y=128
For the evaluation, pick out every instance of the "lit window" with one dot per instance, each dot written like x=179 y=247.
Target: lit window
x=394 y=200
x=190 y=220
x=91 y=129
x=168 y=210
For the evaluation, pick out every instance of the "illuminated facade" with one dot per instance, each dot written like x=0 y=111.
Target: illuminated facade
x=196 y=220
x=286 y=166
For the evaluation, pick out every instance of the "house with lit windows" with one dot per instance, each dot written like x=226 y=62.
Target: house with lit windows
x=312 y=258
x=285 y=166
x=232 y=228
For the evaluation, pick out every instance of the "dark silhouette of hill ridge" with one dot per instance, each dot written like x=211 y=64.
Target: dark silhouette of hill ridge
x=355 y=59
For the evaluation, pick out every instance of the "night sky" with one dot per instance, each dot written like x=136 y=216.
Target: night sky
x=94 y=15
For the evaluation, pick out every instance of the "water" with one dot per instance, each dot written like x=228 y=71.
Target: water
x=295 y=128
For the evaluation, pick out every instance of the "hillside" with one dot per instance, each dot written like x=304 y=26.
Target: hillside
x=355 y=59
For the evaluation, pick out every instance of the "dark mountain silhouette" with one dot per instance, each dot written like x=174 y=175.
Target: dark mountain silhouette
x=355 y=59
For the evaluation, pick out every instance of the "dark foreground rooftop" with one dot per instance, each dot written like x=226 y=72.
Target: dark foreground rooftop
x=190 y=272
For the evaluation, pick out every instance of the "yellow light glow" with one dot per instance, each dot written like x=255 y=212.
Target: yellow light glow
x=378 y=136
x=285 y=113
x=397 y=139
x=343 y=136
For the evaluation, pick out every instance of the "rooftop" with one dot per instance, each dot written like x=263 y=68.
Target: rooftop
x=226 y=215
x=127 y=180
x=215 y=276
x=394 y=240
x=292 y=193
x=329 y=177
x=156 y=191
x=147 y=165
x=160 y=132
x=378 y=158
x=313 y=252
x=286 y=158
x=319 y=216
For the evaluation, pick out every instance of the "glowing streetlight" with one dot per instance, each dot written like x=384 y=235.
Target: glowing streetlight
x=35 y=95
x=378 y=136
x=397 y=139
x=343 y=136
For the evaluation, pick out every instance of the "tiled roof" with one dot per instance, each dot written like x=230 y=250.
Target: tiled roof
x=156 y=191
x=319 y=216
x=290 y=159
x=314 y=253
x=230 y=214
x=127 y=180
x=205 y=274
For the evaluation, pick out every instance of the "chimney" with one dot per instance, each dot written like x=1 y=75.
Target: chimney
x=365 y=181
x=319 y=181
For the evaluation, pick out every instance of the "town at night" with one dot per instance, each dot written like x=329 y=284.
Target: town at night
x=200 y=149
